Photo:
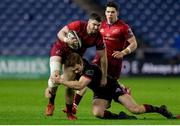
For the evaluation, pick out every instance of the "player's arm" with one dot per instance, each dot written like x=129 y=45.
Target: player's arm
x=78 y=85
x=104 y=65
x=129 y=49
x=55 y=65
x=62 y=34
x=55 y=70
x=132 y=45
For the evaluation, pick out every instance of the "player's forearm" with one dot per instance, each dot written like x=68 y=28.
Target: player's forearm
x=133 y=44
x=62 y=33
x=131 y=48
x=104 y=65
x=72 y=84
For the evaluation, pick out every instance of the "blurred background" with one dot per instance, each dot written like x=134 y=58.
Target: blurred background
x=29 y=27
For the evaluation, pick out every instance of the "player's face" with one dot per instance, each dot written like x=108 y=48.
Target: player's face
x=93 y=26
x=77 y=69
x=111 y=14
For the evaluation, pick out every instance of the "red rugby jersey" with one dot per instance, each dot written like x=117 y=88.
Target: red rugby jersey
x=115 y=38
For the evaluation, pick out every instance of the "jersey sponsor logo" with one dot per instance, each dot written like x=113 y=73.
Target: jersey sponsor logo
x=89 y=72
x=118 y=90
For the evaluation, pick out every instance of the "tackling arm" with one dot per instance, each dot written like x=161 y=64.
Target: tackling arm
x=78 y=85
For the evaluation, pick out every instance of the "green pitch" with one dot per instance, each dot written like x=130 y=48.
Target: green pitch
x=23 y=102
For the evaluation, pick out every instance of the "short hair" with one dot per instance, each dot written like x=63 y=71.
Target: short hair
x=95 y=16
x=112 y=4
x=72 y=59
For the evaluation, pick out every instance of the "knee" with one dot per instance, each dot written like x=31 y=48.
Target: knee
x=98 y=112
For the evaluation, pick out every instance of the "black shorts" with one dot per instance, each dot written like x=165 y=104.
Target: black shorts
x=111 y=91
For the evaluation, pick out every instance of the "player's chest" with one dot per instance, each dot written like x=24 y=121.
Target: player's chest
x=114 y=32
x=88 y=40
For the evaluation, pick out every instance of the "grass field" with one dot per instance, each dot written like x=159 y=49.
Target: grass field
x=23 y=102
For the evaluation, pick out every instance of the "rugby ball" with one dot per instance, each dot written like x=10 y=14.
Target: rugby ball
x=76 y=45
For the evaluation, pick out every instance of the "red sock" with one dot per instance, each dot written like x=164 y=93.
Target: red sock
x=77 y=99
x=150 y=108
x=110 y=115
x=51 y=100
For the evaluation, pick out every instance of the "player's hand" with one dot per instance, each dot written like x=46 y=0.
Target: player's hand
x=71 y=41
x=118 y=54
x=126 y=89
x=103 y=81
x=48 y=92
x=56 y=73
x=56 y=80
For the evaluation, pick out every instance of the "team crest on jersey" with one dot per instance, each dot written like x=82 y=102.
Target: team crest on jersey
x=90 y=72
x=102 y=30
x=115 y=30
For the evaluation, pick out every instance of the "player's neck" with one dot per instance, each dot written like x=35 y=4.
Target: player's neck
x=112 y=21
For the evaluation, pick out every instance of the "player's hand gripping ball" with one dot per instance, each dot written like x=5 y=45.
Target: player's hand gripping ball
x=77 y=44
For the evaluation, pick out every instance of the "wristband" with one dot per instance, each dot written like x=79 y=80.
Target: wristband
x=126 y=51
x=129 y=49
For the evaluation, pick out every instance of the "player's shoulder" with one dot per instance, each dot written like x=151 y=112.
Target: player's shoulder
x=89 y=65
x=121 y=22
x=104 y=21
x=78 y=22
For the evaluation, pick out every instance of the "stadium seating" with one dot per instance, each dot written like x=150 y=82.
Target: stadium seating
x=29 y=27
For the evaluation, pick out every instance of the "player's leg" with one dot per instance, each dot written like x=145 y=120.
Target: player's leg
x=69 y=94
x=128 y=102
x=50 y=91
x=77 y=98
x=135 y=108
x=99 y=109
